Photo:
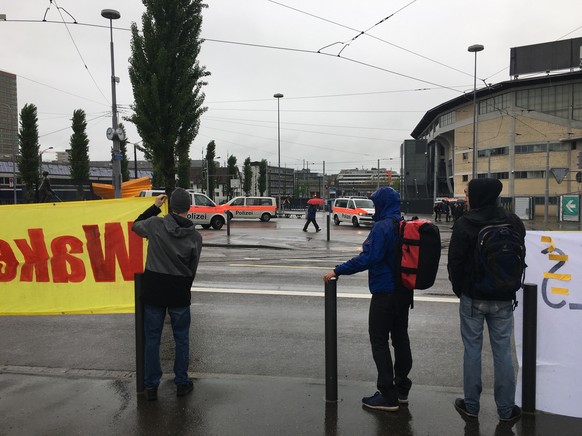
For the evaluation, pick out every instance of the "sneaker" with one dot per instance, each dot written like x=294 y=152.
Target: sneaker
x=304 y=230
x=515 y=415
x=185 y=389
x=403 y=399
x=462 y=408
x=318 y=230
x=151 y=394
x=377 y=401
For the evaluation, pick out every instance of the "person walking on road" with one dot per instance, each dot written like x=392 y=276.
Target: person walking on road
x=311 y=213
x=476 y=307
x=388 y=315
x=172 y=260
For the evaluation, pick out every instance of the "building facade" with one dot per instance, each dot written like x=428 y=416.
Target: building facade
x=527 y=130
x=8 y=115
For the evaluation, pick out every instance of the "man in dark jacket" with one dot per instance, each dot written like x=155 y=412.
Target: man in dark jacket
x=311 y=213
x=388 y=316
x=475 y=309
x=172 y=260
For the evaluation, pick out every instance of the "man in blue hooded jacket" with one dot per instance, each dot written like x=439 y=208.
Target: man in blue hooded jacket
x=388 y=315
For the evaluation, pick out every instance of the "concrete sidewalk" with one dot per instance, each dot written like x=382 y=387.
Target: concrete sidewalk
x=37 y=401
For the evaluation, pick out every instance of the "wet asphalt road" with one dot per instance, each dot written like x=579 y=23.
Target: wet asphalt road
x=257 y=342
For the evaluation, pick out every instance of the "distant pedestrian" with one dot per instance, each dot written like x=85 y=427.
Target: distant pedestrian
x=437 y=211
x=172 y=260
x=45 y=192
x=311 y=213
x=479 y=304
x=447 y=207
x=389 y=306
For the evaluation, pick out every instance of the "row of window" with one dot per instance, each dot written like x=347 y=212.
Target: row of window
x=504 y=175
x=524 y=148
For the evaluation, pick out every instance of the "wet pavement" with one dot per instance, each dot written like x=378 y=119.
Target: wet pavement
x=68 y=401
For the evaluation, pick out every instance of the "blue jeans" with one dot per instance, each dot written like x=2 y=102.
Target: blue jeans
x=153 y=325
x=499 y=318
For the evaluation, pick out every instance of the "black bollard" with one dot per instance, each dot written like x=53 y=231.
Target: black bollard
x=331 y=340
x=529 y=355
x=327 y=217
x=227 y=224
x=139 y=336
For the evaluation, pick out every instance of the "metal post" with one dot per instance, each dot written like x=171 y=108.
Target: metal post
x=111 y=15
x=139 y=336
x=227 y=223
x=547 y=189
x=328 y=222
x=135 y=160
x=529 y=355
x=435 y=166
x=331 y=340
x=278 y=96
x=475 y=49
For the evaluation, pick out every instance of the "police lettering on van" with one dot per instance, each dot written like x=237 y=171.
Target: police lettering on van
x=355 y=210
x=203 y=210
x=263 y=208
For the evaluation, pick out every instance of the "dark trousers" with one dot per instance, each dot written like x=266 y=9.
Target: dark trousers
x=388 y=318
x=310 y=221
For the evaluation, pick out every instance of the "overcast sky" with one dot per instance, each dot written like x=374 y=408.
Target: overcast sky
x=349 y=105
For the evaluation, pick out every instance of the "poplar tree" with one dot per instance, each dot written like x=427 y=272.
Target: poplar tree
x=248 y=176
x=262 y=177
x=79 y=154
x=232 y=174
x=167 y=82
x=28 y=161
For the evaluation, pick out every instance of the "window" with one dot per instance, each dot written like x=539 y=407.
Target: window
x=552 y=100
x=497 y=103
x=465 y=178
x=447 y=119
x=465 y=156
x=253 y=201
x=202 y=200
x=542 y=201
x=530 y=174
x=238 y=202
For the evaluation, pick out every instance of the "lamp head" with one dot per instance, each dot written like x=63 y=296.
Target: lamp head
x=278 y=95
x=110 y=14
x=475 y=48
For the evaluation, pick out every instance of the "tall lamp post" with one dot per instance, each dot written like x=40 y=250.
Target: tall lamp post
x=114 y=133
x=475 y=49
x=279 y=96
x=40 y=159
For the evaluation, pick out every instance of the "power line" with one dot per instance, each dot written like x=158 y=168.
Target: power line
x=77 y=48
x=372 y=36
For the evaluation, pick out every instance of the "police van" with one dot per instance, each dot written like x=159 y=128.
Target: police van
x=203 y=210
x=355 y=210
x=263 y=208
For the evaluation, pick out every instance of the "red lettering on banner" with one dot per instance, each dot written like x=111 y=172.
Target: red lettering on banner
x=62 y=248
x=103 y=264
x=8 y=262
x=35 y=257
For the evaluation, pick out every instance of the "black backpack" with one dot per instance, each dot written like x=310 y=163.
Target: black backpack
x=499 y=264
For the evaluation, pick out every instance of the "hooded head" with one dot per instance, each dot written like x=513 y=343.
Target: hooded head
x=45 y=173
x=386 y=203
x=180 y=201
x=483 y=192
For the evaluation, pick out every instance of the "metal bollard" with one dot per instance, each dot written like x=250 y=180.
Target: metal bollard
x=529 y=354
x=331 y=340
x=227 y=224
x=328 y=221
x=139 y=336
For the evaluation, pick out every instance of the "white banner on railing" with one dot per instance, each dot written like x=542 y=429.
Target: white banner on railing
x=554 y=261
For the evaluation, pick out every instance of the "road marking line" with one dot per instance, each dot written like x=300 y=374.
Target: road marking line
x=250 y=265
x=311 y=294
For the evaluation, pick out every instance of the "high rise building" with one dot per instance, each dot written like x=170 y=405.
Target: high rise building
x=8 y=115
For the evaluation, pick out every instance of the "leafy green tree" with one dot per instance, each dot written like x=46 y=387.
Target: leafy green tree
x=124 y=159
x=248 y=176
x=233 y=174
x=28 y=161
x=211 y=168
x=262 y=176
x=79 y=154
x=167 y=82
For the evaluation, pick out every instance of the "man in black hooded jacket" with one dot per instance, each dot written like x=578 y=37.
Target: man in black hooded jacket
x=474 y=310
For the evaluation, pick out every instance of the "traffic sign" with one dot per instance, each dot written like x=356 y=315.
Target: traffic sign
x=570 y=207
x=560 y=173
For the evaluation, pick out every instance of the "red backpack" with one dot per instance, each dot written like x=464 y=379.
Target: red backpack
x=419 y=246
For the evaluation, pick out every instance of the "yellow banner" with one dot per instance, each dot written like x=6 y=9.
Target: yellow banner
x=71 y=257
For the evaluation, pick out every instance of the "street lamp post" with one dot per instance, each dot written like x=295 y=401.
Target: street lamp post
x=475 y=49
x=40 y=160
x=278 y=96
x=115 y=133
